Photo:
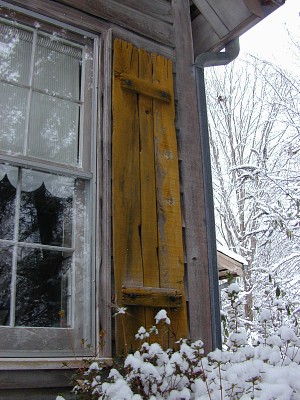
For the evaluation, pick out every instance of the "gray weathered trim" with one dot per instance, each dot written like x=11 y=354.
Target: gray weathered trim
x=105 y=141
x=192 y=179
x=52 y=11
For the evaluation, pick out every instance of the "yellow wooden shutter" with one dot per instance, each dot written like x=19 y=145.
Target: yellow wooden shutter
x=147 y=230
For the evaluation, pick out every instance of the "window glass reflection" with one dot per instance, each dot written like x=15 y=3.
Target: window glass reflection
x=13 y=102
x=45 y=217
x=15 y=54
x=8 y=177
x=37 y=215
x=40 y=95
x=53 y=129
x=43 y=288
x=5 y=283
x=57 y=67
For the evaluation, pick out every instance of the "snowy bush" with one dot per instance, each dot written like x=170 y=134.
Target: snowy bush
x=268 y=369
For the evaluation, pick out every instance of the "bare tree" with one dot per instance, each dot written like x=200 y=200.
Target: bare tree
x=254 y=134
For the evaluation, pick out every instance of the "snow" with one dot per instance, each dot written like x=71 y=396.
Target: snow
x=119 y=390
x=264 y=315
x=94 y=366
x=120 y=310
x=233 y=288
x=162 y=316
x=287 y=334
x=142 y=333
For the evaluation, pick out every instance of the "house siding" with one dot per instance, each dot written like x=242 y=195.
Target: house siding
x=163 y=27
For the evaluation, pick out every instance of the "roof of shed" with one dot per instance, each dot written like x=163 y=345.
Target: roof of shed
x=229 y=262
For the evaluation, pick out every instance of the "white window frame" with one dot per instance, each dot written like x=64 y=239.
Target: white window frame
x=64 y=342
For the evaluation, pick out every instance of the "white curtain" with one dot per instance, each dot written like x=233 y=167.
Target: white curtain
x=57 y=185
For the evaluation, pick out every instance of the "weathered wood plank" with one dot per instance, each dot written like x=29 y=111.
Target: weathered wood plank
x=148 y=185
x=127 y=17
x=170 y=250
x=192 y=180
x=144 y=87
x=158 y=213
x=148 y=181
x=232 y=13
x=211 y=17
x=160 y=9
x=126 y=190
x=204 y=37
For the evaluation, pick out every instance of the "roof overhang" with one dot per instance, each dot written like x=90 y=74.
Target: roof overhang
x=215 y=23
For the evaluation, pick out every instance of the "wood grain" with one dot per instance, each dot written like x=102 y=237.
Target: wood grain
x=192 y=180
x=145 y=88
x=148 y=185
x=105 y=286
x=147 y=237
x=152 y=297
x=160 y=9
x=170 y=248
x=126 y=192
x=126 y=17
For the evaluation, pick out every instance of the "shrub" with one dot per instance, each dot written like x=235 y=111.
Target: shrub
x=267 y=369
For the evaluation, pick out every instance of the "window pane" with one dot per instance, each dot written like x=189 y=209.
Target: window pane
x=5 y=283
x=46 y=209
x=13 y=101
x=57 y=68
x=53 y=129
x=43 y=295
x=15 y=54
x=8 y=179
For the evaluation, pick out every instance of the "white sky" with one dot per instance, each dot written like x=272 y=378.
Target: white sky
x=269 y=38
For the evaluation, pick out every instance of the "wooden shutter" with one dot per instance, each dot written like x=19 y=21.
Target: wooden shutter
x=147 y=230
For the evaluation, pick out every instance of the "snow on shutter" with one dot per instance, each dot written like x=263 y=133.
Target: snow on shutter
x=147 y=230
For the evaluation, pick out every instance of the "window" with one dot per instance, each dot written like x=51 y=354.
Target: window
x=46 y=187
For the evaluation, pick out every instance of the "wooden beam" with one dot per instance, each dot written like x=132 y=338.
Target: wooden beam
x=145 y=87
x=152 y=297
